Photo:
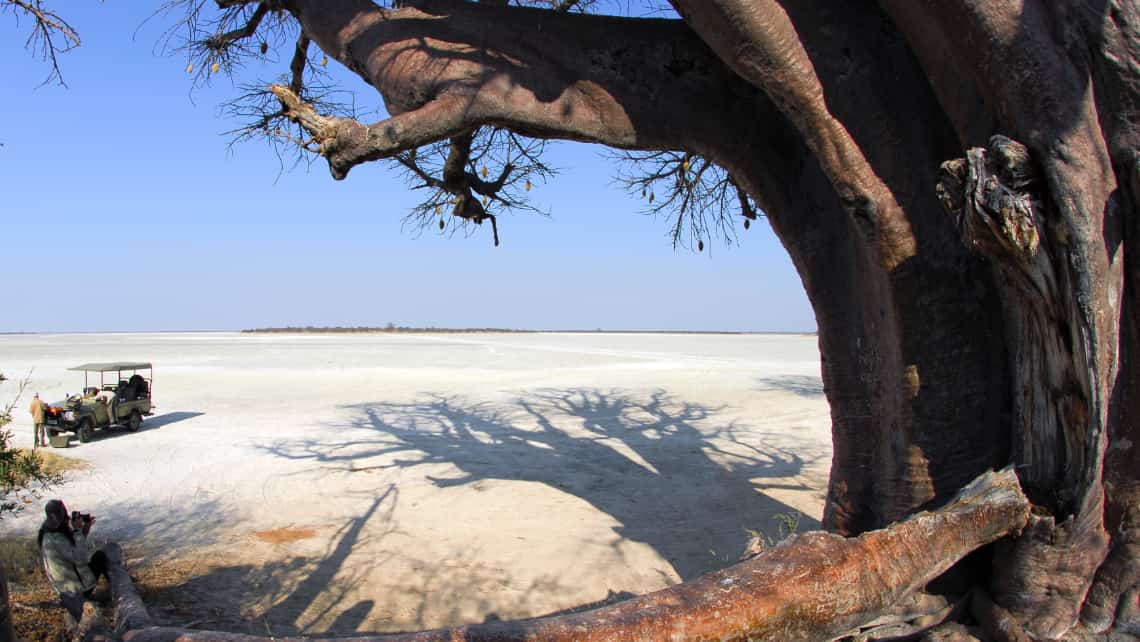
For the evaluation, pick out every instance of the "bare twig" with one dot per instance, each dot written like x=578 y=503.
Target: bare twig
x=51 y=35
x=699 y=197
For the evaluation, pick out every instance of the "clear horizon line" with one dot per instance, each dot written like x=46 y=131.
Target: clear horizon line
x=408 y=330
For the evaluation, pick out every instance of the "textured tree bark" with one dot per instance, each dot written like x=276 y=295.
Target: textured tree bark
x=91 y=627
x=130 y=612
x=995 y=196
x=7 y=632
x=814 y=586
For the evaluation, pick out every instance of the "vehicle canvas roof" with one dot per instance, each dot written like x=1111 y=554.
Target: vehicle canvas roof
x=113 y=366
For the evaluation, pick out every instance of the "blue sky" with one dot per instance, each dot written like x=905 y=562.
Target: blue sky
x=121 y=209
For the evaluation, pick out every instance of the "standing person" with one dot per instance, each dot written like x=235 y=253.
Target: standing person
x=71 y=568
x=37 y=410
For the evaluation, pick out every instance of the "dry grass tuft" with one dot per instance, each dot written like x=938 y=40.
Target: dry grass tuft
x=36 y=613
x=55 y=463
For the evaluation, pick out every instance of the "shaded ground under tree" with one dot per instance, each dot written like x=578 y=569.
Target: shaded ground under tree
x=636 y=457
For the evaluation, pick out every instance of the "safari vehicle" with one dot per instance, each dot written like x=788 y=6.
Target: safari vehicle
x=119 y=400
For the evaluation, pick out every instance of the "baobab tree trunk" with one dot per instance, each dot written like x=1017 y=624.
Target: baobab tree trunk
x=7 y=630
x=956 y=182
x=1046 y=222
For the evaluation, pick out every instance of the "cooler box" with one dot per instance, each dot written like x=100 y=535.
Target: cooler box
x=60 y=441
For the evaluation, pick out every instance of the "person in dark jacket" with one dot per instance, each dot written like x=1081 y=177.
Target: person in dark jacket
x=71 y=568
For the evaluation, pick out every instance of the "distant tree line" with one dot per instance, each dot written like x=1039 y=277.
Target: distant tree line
x=370 y=329
x=395 y=329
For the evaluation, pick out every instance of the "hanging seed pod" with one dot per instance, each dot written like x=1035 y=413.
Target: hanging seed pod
x=214 y=68
x=651 y=197
x=685 y=165
x=700 y=246
x=643 y=192
x=264 y=48
x=190 y=68
x=437 y=209
x=528 y=184
x=325 y=61
x=484 y=171
x=441 y=224
x=747 y=223
x=485 y=201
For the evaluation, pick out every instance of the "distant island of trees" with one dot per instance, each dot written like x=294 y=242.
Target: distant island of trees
x=393 y=328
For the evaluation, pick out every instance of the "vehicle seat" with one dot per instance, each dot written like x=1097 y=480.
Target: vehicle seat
x=140 y=387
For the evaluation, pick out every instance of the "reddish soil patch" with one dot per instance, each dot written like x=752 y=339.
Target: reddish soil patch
x=285 y=535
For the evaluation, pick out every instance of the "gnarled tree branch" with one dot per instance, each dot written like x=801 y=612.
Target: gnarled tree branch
x=628 y=96
x=758 y=40
x=347 y=143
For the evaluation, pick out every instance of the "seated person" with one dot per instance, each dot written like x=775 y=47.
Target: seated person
x=71 y=568
x=90 y=392
x=140 y=386
x=109 y=399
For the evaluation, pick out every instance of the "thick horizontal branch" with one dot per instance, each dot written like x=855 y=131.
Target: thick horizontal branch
x=627 y=83
x=813 y=586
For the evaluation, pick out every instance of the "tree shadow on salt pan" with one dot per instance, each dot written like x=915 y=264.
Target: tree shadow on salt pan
x=153 y=531
x=334 y=594
x=672 y=475
x=807 y=386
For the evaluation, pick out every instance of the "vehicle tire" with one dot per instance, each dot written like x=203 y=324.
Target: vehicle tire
x=86 y=431
x=134 y=422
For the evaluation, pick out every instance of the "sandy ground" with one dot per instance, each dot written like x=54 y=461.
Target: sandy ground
x=339 y=484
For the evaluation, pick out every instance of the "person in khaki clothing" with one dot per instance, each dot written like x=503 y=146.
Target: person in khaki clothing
x=71 y=567
x=37 y=410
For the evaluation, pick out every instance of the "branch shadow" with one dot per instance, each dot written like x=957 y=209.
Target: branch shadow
x=669 y=472
x=651 y=462
x=807 y=386
x=331 y=594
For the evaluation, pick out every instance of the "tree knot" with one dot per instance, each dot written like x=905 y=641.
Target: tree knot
x=992 y=196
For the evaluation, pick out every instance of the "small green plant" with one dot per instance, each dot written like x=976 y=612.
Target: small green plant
x=787 y=524
x=23 y=475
